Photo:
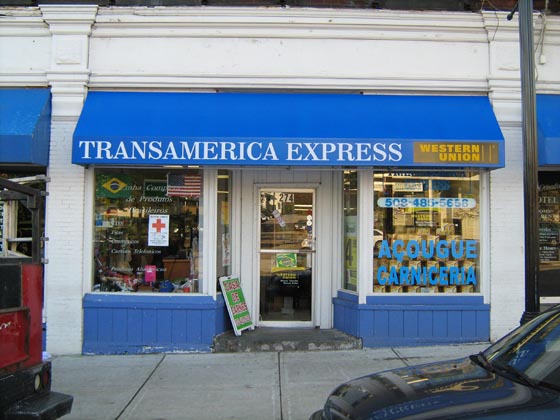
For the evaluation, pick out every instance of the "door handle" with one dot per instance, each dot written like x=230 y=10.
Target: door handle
x=287 y=251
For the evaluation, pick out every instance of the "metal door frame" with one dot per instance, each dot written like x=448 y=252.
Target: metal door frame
x=297 y=188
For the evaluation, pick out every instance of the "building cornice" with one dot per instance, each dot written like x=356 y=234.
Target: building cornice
x=22 y=22
x=300 y=23
x=256 y=82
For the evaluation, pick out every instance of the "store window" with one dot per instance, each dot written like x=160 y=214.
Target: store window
x=147 y=230
x=549 y=234
x=223 y=240
x=16 y=219
x=426 y=232
x=350 y=203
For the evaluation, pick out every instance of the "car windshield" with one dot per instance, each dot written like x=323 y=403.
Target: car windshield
x=531 y=352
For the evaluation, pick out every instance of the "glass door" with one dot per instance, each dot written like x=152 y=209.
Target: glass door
x=286 y=249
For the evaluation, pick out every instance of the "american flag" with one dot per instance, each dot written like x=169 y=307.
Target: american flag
x=183 y=185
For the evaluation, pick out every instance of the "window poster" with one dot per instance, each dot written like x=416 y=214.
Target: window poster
x=224 y=213
x=158 y=230
x=549 y=223
x=351 y=251
x=549 y=235
x=226 y=249
x=1 y=228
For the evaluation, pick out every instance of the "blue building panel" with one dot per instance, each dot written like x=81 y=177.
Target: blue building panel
x=380 y=322
x=425 y=324
x=410 y=324
x=148 y=326
x=440 y=325
x=134 y=334
x=468 y=323
x=117 y=324
x=221 y=322
x=367 y=320
x=194 y=318
x=454 y=323
x=164 y=326
x=105 y=322
x=414 y=320
x=396 y=323
x=483 y=321
x=179 y=329
x=346 y=315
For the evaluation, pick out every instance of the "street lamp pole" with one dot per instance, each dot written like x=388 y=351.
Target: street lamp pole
x=530 y=161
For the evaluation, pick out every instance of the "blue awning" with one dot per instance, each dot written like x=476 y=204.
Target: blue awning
x=548 y=129
x=266 y=129
x=25 y=126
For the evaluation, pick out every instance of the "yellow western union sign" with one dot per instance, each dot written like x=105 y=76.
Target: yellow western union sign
x=455 y=152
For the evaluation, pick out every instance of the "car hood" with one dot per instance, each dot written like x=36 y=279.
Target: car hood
x=453 y=389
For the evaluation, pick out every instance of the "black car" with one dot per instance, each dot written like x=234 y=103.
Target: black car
x=516 y=378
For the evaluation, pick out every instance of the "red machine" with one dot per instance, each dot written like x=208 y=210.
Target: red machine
x=25 y=378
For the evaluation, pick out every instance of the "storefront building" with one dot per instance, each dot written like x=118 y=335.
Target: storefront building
x=548 y=131
x=347 y=180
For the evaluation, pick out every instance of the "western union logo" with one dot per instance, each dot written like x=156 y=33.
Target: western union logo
x=114 y=185
x=453 y=153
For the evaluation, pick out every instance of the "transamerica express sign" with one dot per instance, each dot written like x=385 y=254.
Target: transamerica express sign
x=287 y=152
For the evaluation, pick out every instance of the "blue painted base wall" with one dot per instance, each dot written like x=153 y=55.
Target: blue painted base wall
x=413 y=320
x=136 y=324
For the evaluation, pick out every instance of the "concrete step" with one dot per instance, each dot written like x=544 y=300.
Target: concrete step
x=285 y=339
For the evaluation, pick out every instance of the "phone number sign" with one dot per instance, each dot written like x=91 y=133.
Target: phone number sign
x=427 y=203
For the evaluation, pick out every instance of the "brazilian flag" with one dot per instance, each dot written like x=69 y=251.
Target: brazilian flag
x=113 y=186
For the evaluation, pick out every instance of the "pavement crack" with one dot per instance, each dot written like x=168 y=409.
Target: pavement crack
x=400 y=356
x=140 y=388
x=280 y=386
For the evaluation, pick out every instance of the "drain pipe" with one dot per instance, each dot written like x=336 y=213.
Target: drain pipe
x=530 y=160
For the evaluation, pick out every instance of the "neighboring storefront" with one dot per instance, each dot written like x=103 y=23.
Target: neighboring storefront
x=25 y=125
x=548 y=124
x=172 y=172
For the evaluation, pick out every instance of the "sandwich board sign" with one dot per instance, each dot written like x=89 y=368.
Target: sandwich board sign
x=235 y=302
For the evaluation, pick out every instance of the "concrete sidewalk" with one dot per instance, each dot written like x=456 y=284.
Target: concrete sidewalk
x=244 y=386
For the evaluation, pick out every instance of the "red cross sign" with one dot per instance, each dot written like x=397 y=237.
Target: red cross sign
x=158 y=230
x=158 y=225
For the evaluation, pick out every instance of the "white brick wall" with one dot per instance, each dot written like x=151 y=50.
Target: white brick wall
x=65 y=227
x=507 y=263
x=70 y=26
